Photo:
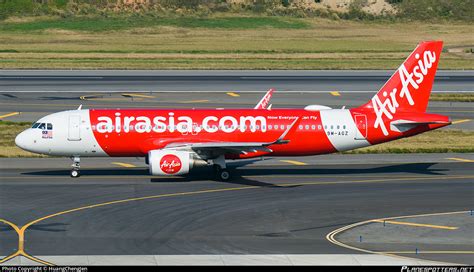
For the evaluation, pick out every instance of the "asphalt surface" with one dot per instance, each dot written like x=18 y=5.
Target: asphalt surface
x=34 y=94
x=273 y=206
x=243 y=81
x=438 y=234
x=270 y=207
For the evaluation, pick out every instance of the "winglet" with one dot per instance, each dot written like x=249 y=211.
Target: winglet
x=80 y=107
x=281 y=139
x=265 y=100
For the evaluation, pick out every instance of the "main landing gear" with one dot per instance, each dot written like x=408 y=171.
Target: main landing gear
x=75 y=173
x=220 y=169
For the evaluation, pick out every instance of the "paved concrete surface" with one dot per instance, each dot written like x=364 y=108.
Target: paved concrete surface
x=214 y=80
x=286 y=260
x=440 y=236
x=36 y=93
x=269 y=208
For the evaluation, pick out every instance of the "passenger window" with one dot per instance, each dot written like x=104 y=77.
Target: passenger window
x=306 y=127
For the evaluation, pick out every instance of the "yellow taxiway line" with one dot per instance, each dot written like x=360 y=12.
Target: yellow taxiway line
x=9 y=114
x=138 y=95
x=335 y=93
x=415 y=224
x=331 y=236
x=460 y=159
x=233 y=94
x=21 y=231
x=127 y=165
x=460 y=121
x=294 y=162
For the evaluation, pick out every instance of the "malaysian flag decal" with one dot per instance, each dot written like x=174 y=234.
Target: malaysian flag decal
x=47 y=134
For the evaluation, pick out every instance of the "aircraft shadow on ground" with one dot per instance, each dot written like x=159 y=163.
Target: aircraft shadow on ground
x=241 y=176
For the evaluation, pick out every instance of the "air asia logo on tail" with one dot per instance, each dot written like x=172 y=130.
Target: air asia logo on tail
x=408 y=82
x=170 y=164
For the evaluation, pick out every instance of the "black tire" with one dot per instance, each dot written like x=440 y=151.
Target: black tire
x=224 y=175
x=75 y=173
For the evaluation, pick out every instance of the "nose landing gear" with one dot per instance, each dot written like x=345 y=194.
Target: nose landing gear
x=75 y=173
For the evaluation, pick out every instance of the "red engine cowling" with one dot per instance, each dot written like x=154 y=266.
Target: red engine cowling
x=170 y=162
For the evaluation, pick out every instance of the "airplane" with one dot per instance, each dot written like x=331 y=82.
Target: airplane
x=174 y=140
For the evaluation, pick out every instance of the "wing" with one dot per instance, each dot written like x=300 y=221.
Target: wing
x=210 y=149
x=263 y=104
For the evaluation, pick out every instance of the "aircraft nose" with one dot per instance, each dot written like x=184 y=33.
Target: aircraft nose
x=23 y=141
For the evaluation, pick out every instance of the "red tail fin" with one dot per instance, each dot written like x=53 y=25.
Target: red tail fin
x=410 y=86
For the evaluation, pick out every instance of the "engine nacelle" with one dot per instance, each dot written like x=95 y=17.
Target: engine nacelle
x=169 y=162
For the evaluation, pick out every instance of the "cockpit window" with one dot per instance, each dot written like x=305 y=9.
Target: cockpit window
x=43 y=126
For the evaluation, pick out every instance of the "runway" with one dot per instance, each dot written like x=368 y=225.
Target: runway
x=215 y=81
x=31 y=98
x=272 y=207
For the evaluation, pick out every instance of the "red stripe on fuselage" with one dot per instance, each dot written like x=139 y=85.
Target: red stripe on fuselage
x=134 y=132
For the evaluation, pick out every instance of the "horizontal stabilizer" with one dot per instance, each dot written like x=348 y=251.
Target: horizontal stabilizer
x=405 y=125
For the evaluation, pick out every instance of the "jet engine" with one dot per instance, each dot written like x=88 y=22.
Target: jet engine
x=170 y=162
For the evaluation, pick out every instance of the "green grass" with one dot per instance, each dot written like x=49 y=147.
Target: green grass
x=436 y=141
x=225 y=42
x=455 y=97
x=8 y=132
x=101 y=24
x=212 y=64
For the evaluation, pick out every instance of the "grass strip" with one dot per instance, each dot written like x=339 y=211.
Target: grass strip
x=452 y=97
x=436 y=141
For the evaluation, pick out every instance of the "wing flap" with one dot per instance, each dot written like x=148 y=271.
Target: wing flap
x=235 y=147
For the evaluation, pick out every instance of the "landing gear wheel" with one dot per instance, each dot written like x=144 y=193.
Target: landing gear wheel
x=220 y=170
x=224 y=175
x=75 y=173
